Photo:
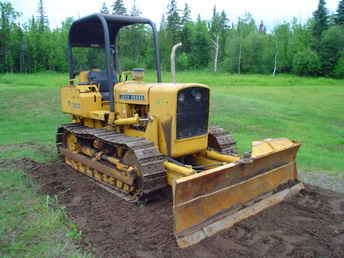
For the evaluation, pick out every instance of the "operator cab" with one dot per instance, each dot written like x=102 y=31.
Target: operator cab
x=93 y=42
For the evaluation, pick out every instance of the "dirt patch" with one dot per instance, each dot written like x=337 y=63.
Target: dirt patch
x=40 y=148
x=309 y=225
x=324 y=180
x=21 y=164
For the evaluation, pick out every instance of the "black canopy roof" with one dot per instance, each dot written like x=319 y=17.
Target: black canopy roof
x=89 y=31
x=100 y=30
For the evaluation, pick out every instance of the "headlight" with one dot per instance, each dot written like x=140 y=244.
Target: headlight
x=198 y=96
x=181 y=98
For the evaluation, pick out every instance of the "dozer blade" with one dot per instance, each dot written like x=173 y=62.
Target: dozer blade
x=216 y=199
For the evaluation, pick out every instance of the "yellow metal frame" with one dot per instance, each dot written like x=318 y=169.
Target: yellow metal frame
x=222 y=188
x=85 y=103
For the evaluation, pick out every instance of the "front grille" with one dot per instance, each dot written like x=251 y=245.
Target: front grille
x=192 y=112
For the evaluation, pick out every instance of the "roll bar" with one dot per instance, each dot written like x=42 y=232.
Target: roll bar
x=101 y=30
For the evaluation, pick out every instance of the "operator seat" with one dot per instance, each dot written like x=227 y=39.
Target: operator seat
x=100 y=78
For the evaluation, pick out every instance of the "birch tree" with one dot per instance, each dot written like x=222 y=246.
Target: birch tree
x=275 y=59
x=216 y=44
x=217 y=27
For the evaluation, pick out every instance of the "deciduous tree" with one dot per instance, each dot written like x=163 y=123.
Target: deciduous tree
x=306 y=62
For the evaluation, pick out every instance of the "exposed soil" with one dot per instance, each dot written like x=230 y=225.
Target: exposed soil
x=41 y=148
x=310 y=224
x=324 y=180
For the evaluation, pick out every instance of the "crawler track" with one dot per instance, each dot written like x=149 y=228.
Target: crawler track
x=135 y=152
x=221 y=141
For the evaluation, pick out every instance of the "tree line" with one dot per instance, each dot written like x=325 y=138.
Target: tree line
x=313 y=48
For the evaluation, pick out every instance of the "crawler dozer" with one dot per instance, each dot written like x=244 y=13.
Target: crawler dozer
x=135 y=138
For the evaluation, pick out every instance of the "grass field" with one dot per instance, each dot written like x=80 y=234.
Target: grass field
x=212 y=79
x=305 y=109
x=33 y=225
x=252 y=107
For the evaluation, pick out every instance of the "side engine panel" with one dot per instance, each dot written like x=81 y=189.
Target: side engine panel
x=82 y=100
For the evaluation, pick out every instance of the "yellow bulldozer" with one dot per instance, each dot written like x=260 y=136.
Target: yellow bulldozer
x=135 y=138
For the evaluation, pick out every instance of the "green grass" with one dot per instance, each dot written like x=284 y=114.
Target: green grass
x=29 y=227
x=29 y=114
x=213 y=79
x=311 y=115
x=305 y=109
x=36 y=79
x=225 y=79
x=33 y=225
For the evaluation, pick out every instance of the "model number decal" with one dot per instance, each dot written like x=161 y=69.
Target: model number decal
x=132 y=97
x=76 y=105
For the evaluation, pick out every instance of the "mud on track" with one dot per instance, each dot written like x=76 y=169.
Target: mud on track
x=309 y=225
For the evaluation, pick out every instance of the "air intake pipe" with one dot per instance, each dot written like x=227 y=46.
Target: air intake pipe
x=173 y=61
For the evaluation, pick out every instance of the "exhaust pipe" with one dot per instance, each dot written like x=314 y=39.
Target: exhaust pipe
x=173 y=61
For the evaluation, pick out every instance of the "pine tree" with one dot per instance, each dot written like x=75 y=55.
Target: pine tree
x=200 y=56
x=135 y=38
x=163 y=23
x=7 y=24
x=186 y=14
x=224 y=20
x=135 y=11
x=262 y=28
x=42 y=16
x=339 y=18
x=320 y=20
x=104 y=9
x=164 y=44
x=118 y=8
x=173 y=22
x=240 y=46
x=186 y=33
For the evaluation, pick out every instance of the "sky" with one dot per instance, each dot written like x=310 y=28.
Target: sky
x=272 y=12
